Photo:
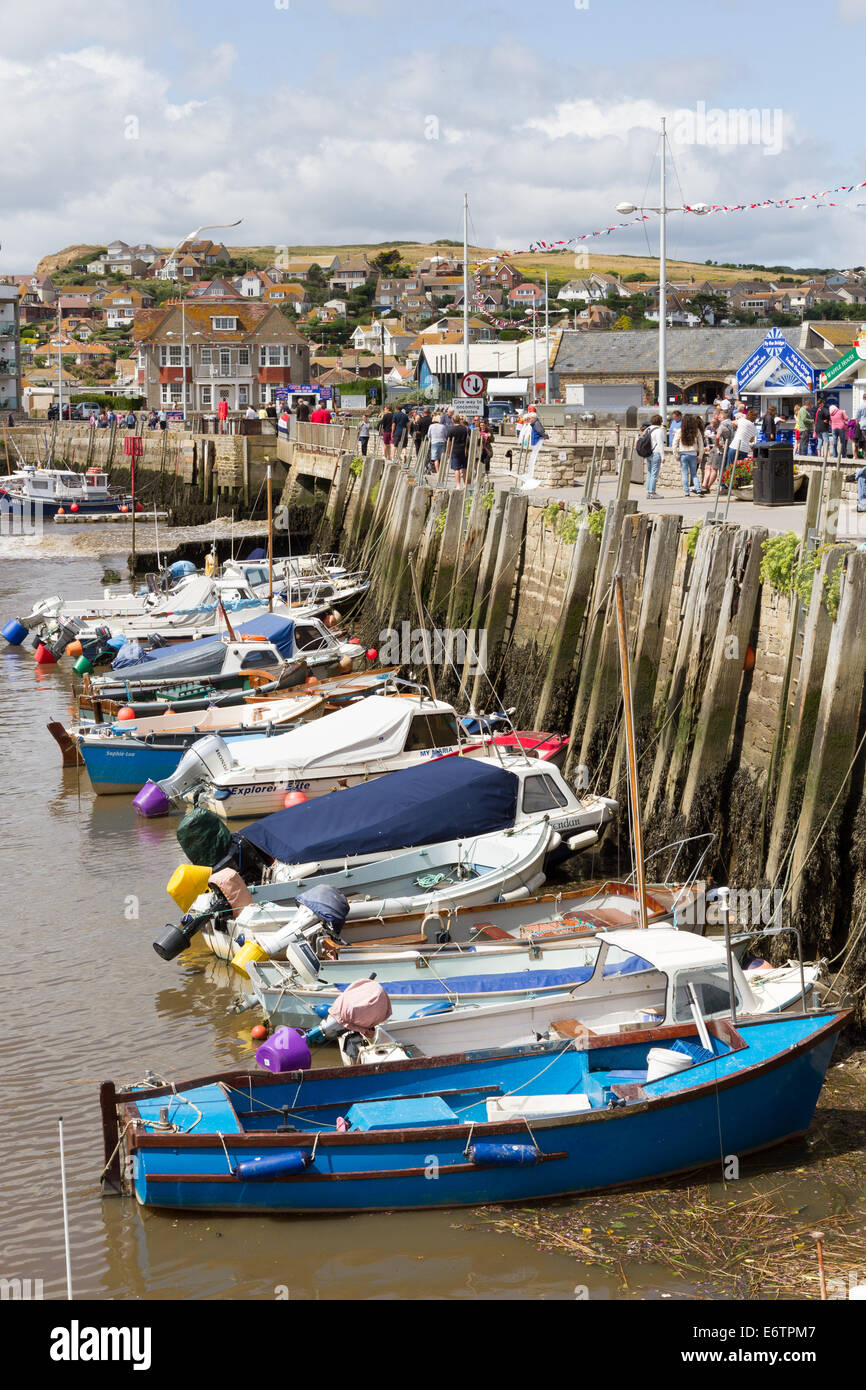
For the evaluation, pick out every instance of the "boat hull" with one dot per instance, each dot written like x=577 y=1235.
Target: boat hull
x=735 y=1108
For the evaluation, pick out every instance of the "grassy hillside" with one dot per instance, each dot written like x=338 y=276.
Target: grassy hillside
x=559 y=264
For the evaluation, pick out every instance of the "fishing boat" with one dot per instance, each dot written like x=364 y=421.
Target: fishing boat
x=265 y=643
x=451 y=873
x=43 y=492
x=634 y=979
x=377 y=736
x=120 y=757
x=301 y=579
x=501 y=1125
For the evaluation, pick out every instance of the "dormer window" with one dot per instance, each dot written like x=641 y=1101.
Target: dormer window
x=226 y=322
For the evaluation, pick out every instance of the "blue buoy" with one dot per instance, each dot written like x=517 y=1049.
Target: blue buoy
x=14 y=632
x=284 y=1165
x=504 y=1155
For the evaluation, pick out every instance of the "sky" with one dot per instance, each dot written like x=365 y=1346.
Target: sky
x=340 y=121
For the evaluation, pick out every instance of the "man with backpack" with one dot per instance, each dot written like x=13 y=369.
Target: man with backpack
x=650 y=445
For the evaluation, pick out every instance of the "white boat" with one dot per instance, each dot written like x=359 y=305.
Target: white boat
x=638 y=979
x=301 y=579
x=44 y=492
x=378 y=735
x=452 y=874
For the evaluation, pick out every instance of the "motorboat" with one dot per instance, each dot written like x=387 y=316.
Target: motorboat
x=43 y=492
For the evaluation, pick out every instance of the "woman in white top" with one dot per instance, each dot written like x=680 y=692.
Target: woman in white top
x=744 y=435
x=654 y=462
x=689 y=448
x=436 y=435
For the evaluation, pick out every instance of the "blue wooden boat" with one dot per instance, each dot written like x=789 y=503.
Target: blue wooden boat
x=545 y=1120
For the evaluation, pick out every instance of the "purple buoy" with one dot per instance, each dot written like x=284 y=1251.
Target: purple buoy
x=151 y=801
x=285 y=1050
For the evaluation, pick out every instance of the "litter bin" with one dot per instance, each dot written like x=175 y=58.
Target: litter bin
x=773 y=475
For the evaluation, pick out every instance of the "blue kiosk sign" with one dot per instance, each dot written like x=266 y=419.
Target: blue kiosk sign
x=774 y=364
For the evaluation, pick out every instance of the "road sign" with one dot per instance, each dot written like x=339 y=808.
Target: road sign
x=468 y=405
x=472 y=384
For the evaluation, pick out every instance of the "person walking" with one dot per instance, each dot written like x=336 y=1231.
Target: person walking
x=689 y=449
x=744 y=435
x=486 y=444
x=436 y=435
x=459 y=446
x=386 y=429
x=839 y=426
x=823 y=428
x=364 y=434
x=400 y=430
x=654 y=460
x=302 y=412
x=721 y=449
x=675 y=427
x=803 y=428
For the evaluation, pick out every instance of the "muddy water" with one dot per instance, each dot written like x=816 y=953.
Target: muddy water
x=84 y=997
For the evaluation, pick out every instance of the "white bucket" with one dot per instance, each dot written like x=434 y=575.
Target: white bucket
x=661 y=1061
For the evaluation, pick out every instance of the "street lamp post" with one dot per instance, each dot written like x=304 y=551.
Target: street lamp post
x=662 y=210
x=192 y=236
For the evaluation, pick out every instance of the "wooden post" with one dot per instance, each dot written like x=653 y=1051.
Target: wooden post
x=634 y=791
x=270 y=546
x=425 y=634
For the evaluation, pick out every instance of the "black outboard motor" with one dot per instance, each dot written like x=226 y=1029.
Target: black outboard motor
x=173 y=940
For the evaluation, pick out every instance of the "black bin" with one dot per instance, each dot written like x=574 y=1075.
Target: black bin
x=773 y=475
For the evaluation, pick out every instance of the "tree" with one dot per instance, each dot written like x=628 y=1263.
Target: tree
x=389 y=263
x=623 y=322
x=316 y=275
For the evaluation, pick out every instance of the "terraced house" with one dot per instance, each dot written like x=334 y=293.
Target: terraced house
x=236 y=352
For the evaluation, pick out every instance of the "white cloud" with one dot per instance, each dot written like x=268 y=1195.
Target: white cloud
x=322 y=162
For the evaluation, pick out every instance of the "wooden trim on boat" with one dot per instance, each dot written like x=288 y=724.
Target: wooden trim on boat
x=266 y=1139
x=369 y=1174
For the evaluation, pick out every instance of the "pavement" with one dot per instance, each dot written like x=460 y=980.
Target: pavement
x=852 y=525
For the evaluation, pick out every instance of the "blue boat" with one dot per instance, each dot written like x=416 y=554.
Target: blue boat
x=540 y=1121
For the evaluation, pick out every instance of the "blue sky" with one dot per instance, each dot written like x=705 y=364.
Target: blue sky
x=326 y=121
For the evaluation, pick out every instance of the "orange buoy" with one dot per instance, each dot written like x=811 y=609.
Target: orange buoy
x=124 y=508
x=311 y=680
x=125 y=712
x=293 y=799
x=73 y=648
x=259 y=1033
x=61 y=511
x=749 y=662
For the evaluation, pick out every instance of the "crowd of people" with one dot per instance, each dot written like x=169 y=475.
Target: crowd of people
x=403 y=431
x=729 y=430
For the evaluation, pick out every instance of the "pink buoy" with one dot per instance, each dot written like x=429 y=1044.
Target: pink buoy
x=293 y=799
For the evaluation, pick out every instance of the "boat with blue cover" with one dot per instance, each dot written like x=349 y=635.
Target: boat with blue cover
x=539 y=1121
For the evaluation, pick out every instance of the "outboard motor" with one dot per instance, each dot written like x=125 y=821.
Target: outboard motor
x=173 y=940
x=301 y=939
x=361 y=1007
x=206 y=759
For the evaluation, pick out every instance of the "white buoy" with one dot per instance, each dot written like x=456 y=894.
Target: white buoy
x=65 y=1212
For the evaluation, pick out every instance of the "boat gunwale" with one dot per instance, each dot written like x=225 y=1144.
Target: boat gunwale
x=722 y=1028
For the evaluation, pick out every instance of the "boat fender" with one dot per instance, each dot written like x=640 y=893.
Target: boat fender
x=503 y=1155
x=14 y=632
x=269 y=1166
x=442 y=1006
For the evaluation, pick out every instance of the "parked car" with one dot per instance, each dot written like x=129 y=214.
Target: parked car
x=85 y=409
x=54 y=411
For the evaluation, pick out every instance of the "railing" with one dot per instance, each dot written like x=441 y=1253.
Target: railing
x=326 y=438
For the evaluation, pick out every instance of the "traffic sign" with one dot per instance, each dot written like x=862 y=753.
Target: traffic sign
x=472 y=384
x=468 y=405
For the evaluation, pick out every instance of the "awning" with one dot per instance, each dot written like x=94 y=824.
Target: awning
x=445 y=799
x=507 y=386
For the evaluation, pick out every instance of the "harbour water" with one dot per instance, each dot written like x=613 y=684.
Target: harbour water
x=82 y=892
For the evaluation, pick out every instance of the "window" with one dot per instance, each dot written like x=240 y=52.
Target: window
x=712 y=990
x=263 y=356
x=263 y=395
x=205 y=395
x=431 y=731
x=224 y=322
x=274 y=355
x=243 y=357
x=307 y=639
x=243 y=395
x=174 y=356
x=253 y=660
x=540 y=793
x=206 y=357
